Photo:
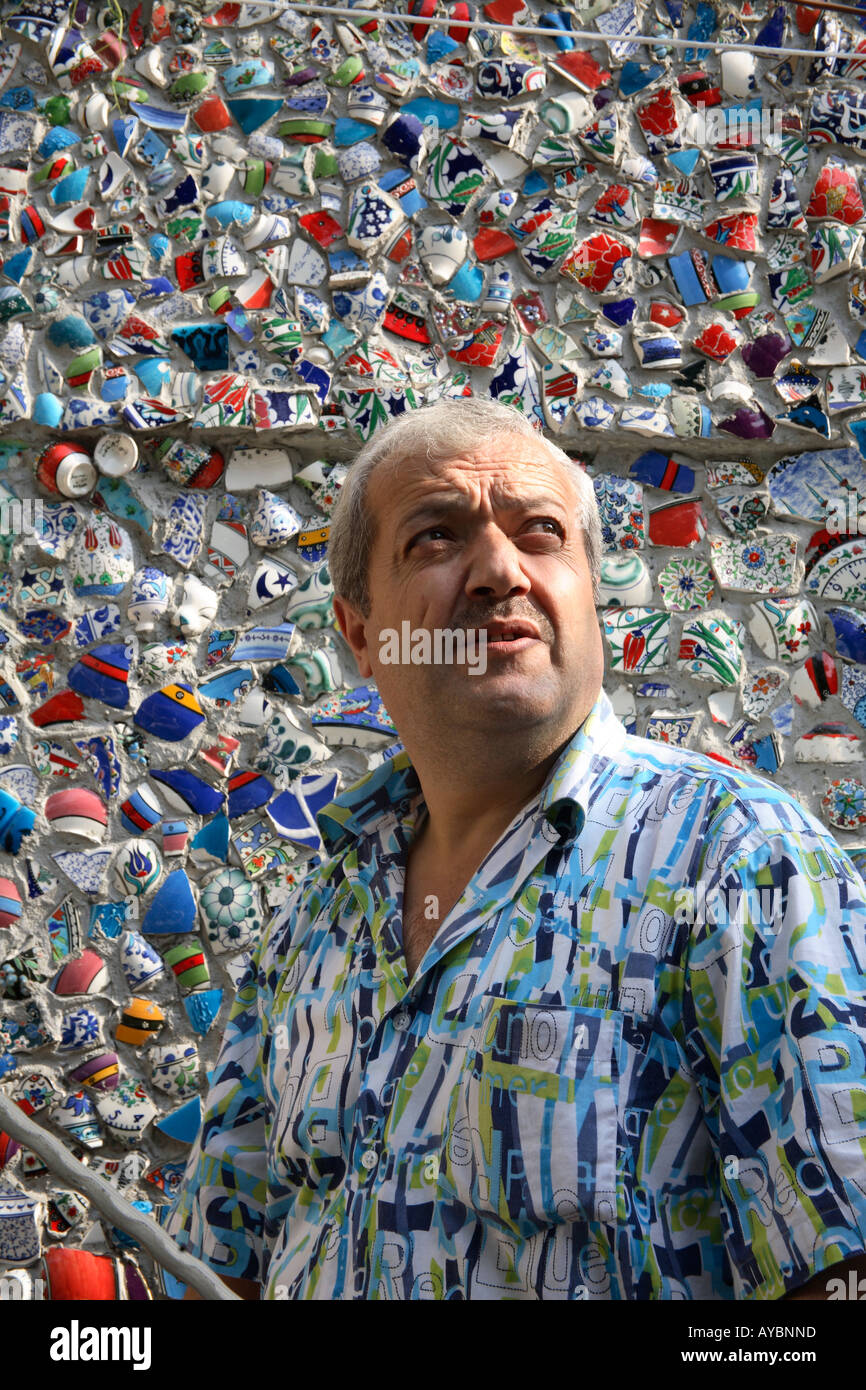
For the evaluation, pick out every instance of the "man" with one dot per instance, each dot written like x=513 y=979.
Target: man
x=507 y=1041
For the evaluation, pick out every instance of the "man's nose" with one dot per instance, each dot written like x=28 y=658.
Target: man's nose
x=494 y=564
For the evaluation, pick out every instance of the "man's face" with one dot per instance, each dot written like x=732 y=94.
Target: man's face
x=482 y=541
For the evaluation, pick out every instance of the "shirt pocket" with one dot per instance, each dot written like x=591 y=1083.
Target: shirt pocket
x=531 y=1130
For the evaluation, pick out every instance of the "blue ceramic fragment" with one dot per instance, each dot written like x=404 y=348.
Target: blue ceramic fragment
x=139 y=811
x=730 y=275
x=402 y=184
x=16 y=267
x=123 y=129
x=102 y=673
x=858 y=429
x=71 y=188
x=47 y=409
x=684 y=160
x=232 y=210
x=172 y=910
x=155 y=286
x=686 y=279
x=656 y=469
x=159 y=117
x=171 y=713
x=153 y=373
x=633 y=78
x=252 y=112
x=808 y=415
x=182 y=1124
x=850 y=628
x=556 y=20
x=280 y=679
x=439 y=45
x=72 y=331
x=534 y=183
x=348 y=131
x=445 y=113
x=60 y=137
x=195 y=794
x=213 y=839
x=247 y=790
x=772 y=34
x=206 y=344
x=403 y=137
x=18 y=99
x=202 y=1008
x=15 y=821
x=619 y=312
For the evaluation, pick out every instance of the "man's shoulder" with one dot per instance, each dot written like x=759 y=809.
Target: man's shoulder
x=732 y=796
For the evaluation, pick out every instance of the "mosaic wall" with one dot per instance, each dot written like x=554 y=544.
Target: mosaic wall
x=235 y=242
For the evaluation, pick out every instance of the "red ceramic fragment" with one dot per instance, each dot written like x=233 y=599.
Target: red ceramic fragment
x=658 y=116
x=322 y=226
x=425 y=8
x=698 y=89
x=400 y=247
x=716 y=342
x=159 y=26
x=406 y=325
x=736 y=231
x=62 y=708
x=212 y=114
x=679 y=524
x=225 y=17
x=582 y=69
x=598 y=263
x=459 y=32
x=491 y=243
x=665 y=314
x=807 y=17
x=505 y=11
x=657 y=237
x=482 y=347
x=836 y=196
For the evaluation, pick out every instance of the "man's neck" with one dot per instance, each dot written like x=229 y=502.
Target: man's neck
x=471 y=801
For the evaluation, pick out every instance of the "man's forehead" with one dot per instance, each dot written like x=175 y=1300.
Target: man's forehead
x=504 y=467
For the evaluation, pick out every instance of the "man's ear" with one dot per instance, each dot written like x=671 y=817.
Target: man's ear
x=353 y=626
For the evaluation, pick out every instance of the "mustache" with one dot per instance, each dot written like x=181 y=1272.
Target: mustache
x=481 y=616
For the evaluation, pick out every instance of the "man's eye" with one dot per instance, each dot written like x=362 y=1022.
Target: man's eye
x=555 y=527
x=431 y=533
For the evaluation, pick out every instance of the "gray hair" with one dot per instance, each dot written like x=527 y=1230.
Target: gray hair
x=438 y=432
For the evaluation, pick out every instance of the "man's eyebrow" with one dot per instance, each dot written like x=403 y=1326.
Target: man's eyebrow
x=434 y=510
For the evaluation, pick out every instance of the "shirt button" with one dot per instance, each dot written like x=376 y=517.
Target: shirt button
x=368 y=1159
x=402 y=1021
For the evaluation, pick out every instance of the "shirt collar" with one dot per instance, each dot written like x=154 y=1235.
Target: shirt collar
x=394 y=786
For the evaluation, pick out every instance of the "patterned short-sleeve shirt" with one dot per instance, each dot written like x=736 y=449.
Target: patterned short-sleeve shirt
x=630 y=1064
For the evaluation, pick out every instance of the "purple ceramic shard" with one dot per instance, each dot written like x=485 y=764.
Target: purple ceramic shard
x=763 y=355
x=749 y=424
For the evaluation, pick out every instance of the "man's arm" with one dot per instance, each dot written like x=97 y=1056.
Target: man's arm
x=244 y=1288
x=775 y=1014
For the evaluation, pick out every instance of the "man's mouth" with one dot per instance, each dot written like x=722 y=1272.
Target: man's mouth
x=510 y=637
